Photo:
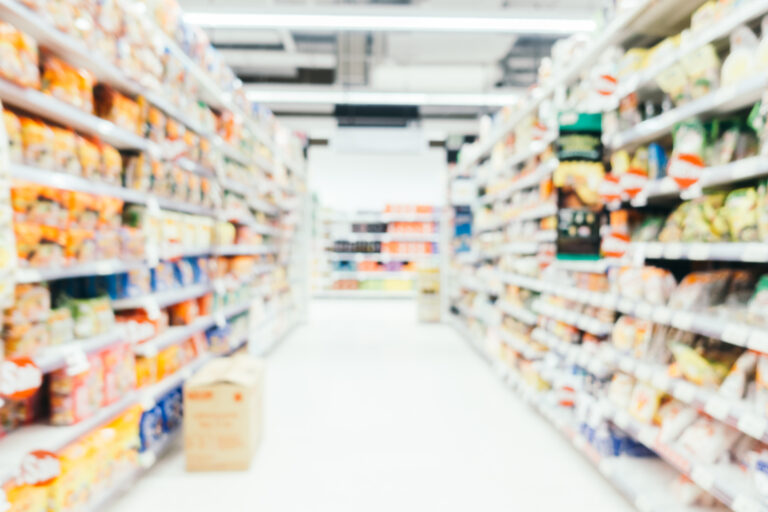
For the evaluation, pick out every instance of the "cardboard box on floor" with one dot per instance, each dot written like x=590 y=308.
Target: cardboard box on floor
x=223 y=414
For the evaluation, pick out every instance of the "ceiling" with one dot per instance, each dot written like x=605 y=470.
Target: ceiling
x=456 y=64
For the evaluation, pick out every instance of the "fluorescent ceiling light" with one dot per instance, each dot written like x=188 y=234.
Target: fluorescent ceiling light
x=390 y=23
x=380 y=98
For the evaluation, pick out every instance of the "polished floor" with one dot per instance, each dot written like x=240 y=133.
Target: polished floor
x=368 y=410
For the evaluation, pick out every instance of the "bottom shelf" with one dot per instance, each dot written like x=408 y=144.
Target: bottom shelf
x=642 y=481
x=364 y=294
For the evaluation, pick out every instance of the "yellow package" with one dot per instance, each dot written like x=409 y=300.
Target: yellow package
x=645 y=402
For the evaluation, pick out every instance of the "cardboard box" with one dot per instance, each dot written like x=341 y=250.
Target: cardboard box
x=223 y=414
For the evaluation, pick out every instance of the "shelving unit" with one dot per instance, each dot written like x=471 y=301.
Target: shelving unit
x=551 y=323
x=374 y=254
x=272 y=198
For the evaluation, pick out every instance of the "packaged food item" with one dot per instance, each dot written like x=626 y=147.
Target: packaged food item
x=65 y=151
x=18 y=57
x=112 y=164
x=114 y=107
x=687 y=161
x=32 y=303
x=90 y=157
x=741 y=213
x=38 y=143
x=62 y=81
x=700 y=290
x=674 y=417
x=77 y=396
x=25 y=340
x=645 y=402
x=741 y=62
x=697 y=368
x=707 y=440
x=735 y=384
x=13 y=130
x=61 y=327
x=757 y=308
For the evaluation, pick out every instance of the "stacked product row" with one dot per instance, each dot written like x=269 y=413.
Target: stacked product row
x=376 y=251
x=616 y=271
x=148 y=225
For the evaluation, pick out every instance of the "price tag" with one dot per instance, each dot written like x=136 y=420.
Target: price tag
x=755 y=252
x=682 y=320
x=685 y=391
x=758 y=340
x=643 y=503
x=648 y=436
x=147 y=459
x=608 y=301
x=744 y=503
x=662 y=315
x=654 y=250
x=147 y=402
x=621 y=419
x=717 y=407
x=150 y=305
x=736 y=334
x=626 y=306
x=660 y=380
x=753 y=425
x=19 y=379
x=698 y=252
x=39 y=468
x=643 y=372
x=644 y=311
x=673 y=251
x=627 y=364
x=153 y=206
x=703 y=478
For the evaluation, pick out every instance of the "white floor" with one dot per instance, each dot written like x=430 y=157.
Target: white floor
x=369 y=411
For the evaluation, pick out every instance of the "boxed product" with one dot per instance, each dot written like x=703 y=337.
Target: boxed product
x=228 y=391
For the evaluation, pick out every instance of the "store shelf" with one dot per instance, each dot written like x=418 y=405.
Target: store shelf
x=583 y=322
x=79 y=54
x=376 y=275
x=735 y=413
x=148 y=396
x=379 y=217
x=535 y=212
x=93 y=268
x=71 y=182
x=726 y=99
x=378 y=256
x=533 y=179
x=644 y=482
x=724 y=482
x=519 y=345
x=60 y=112
x=741 y=15
x=173 y=336
x=519 y=313
x=262 y=205
x=724 y=251
x=619 y=30
x=162 y=299
x=27 y=439
x=386 y=237
x=54 y=358
x=364 y=294
x=244 y=250
x=591 y=266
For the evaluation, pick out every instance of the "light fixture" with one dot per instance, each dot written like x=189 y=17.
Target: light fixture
x=390 y=23
x=351 y=97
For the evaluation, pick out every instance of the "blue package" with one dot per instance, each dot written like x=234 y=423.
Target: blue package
x=657 y=161
x=173 y=409
x=151 y=427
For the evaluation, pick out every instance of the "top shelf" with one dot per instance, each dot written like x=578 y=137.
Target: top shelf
x=645 y=16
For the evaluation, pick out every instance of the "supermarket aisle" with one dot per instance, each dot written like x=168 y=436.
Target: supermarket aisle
x=367 y=410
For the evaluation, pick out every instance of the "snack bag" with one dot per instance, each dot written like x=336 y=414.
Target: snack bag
x=742 y=61
x=38 y=143
x=687 y=161
x=741 y=213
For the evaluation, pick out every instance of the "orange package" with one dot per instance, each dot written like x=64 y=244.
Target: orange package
x=83 y=210
x=114 y=107
x=65 y=150
x=80 y=246
x=15 y=144
x=18 y=57
x=37 y=143
x=90 y=157
x=67 y=83
x=110 y=211
x=184 y=313
x=146 y=370
x=111 y=164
